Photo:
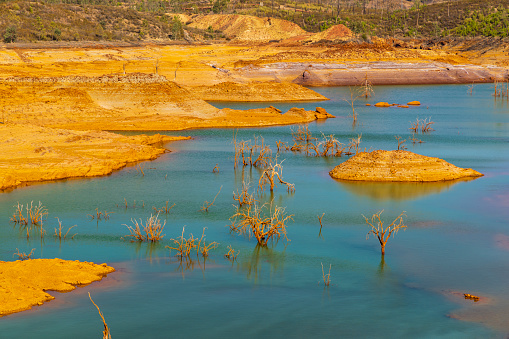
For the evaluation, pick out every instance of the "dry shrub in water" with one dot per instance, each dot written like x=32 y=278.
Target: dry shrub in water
x=24 y=256
x=384 y=233
x=207 y=204
x=100 y=215
x=34 y=214
x=165 y=209
x=184 y=246
x=423 y=125
x=303 y=140
x=326 y=277
x=263 y=222
x=273 y=171
x=203 y=248
x=231 y=255
x=58 y=232
x=151 y=231
x=401 y=143
x=366 y=88
x=244 y=198
x=255 y=154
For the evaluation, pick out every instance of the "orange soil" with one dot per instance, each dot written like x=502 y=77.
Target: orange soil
x=23 y=283
x=399 y=166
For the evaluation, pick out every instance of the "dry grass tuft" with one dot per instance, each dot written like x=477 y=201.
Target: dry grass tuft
x=152 y=230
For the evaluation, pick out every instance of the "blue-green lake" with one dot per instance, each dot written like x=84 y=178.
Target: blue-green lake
x=457 y=240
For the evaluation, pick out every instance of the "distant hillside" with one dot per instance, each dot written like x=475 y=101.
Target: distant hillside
x=145 y=20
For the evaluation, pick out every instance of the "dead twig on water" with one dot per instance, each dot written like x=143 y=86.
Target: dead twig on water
x=207 y=205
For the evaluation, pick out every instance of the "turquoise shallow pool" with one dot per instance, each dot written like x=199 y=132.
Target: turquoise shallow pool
x=457 y=239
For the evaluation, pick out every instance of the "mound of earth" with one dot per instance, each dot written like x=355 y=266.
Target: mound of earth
x=399 y=166
x=269 y=91
x=337 y=32
x=248 y=28
x=23 y=283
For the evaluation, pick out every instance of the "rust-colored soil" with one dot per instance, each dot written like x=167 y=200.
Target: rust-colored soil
x=23 y=283
x=399 y=166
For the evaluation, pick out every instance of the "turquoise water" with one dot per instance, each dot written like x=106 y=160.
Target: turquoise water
x=454 y=242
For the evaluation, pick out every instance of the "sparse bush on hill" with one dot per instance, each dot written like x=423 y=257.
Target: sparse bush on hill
x=133 y=20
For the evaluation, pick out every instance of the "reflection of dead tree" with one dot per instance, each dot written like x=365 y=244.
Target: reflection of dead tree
x=206 y=204
x=261 y=221
x=366 y=89
x=383 y=234
x=401 y=143
x=244 y=198
x=273 y=171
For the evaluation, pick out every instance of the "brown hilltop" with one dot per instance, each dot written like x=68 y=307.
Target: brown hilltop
x=399 y=166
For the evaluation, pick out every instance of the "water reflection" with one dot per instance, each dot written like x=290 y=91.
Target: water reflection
x=263 y=258
x=384 y=191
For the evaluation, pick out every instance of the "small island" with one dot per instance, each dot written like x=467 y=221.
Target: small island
x=400 y=166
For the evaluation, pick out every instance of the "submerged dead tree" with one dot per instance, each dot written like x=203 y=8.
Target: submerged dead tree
x=263 y=222
x=272 y=175
x=384 y=233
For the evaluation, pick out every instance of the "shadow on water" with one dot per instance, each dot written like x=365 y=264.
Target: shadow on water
x=384 y=191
